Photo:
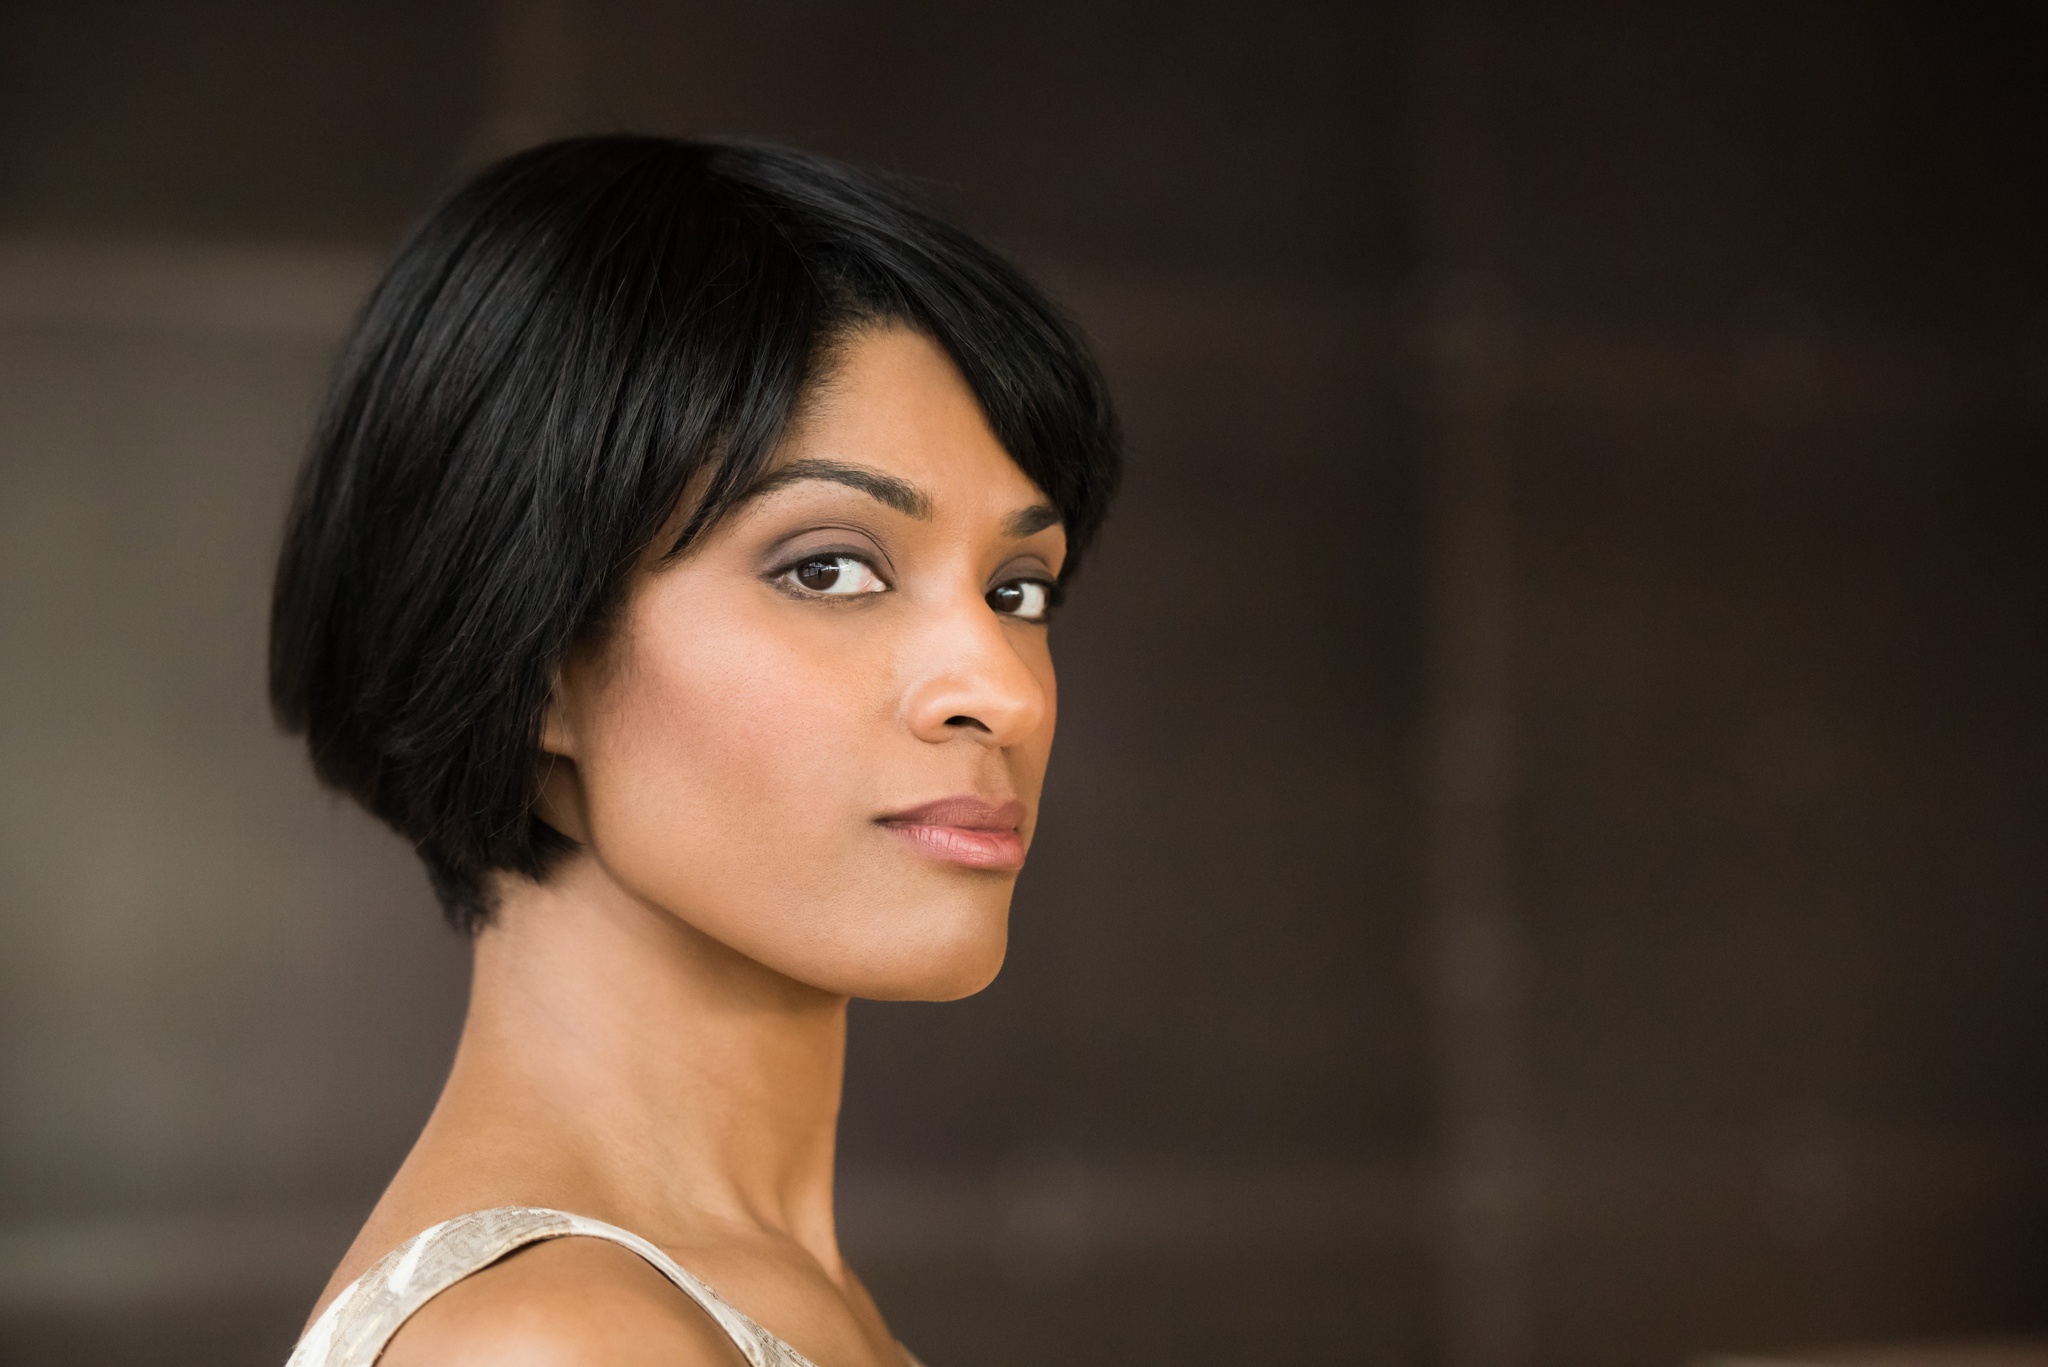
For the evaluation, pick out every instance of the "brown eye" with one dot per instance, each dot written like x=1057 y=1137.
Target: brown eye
x=834 y=576
x=818 y=575
x=1025 y=599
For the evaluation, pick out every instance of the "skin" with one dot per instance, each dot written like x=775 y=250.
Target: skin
x=656 y=1034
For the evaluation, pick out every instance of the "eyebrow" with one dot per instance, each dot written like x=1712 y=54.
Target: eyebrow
x=900 y=494
x=1030 y=521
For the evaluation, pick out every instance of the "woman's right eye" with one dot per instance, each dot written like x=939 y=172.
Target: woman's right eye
x=834 y=576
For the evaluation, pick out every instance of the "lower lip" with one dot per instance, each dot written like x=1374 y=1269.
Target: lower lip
x=968 y=848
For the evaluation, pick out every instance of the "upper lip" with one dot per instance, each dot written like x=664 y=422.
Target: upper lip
x=967 y=813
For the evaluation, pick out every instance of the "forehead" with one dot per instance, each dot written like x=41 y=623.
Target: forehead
x=894 y=402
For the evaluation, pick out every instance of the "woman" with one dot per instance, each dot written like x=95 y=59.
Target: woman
x=672 y=567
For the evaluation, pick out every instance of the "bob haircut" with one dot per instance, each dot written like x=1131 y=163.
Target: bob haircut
x=556 y=354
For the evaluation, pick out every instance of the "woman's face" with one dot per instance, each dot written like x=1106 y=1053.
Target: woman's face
x=819 y=736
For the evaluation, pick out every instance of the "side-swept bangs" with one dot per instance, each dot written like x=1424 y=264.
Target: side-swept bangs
x=556 y=353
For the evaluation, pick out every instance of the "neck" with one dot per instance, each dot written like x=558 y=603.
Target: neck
x=661 y=1079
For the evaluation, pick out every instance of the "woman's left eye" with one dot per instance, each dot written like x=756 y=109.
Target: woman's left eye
x=1026 y=599
x=834 y=576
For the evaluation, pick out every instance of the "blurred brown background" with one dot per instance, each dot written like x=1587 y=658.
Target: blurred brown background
x=1547 y=862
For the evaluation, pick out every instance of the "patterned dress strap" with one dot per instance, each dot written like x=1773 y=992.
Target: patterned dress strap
x=353 y=1331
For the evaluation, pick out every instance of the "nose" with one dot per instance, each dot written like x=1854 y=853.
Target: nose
x=972 y=681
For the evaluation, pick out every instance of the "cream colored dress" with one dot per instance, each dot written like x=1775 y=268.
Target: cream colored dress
x=354 y=1329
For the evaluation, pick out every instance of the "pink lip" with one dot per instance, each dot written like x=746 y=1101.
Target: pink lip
x=970 y=831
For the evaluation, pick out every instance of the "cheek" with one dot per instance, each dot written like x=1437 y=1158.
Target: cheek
x=722 y=753
x=1030 y=758
x=732 y=769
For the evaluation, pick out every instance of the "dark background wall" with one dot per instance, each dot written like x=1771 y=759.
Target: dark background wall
x=1545 y=861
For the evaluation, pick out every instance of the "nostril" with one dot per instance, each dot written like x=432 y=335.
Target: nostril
x=965 y=721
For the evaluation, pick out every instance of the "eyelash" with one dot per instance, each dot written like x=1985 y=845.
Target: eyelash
x=1049 y=588
x=785 y=577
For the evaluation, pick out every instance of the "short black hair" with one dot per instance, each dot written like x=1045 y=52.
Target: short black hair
x=553 y=355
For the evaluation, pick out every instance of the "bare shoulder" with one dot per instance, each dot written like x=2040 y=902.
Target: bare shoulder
x=571 y=1302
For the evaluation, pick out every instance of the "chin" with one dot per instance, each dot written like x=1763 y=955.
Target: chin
x=953 y=982
x=953 y=956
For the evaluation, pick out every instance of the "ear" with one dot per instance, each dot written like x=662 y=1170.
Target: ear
x=559 y=801
x=556 y=737
x=558 y=729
